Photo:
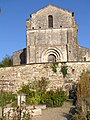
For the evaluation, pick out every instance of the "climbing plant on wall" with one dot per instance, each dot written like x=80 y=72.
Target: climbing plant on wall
x=54 y=67
x=64 y=69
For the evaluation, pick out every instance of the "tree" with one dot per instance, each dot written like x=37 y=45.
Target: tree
x=6 y=62
x=83 y=90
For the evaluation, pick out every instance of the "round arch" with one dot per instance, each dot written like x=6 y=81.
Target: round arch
x=51 y=51
x=51 y=58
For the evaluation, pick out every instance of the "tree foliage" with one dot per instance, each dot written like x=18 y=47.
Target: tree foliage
x=83 y=92
x=83 y=87
x=6 y=98
x=37 y=93
x=6 y=62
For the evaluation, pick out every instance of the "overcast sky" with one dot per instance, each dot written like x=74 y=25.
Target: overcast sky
x=14 y=13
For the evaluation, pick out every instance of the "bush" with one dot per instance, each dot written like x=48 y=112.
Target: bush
x=37 y=94
x=6 y=62
x=6 y=98
x=55 y=98
x=54 y=67
x=50 y=98
x=79 y=117
x=64 y=69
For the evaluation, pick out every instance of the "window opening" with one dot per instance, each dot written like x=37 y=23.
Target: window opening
x=72 y=14
x=84 y=58
x=50 y=21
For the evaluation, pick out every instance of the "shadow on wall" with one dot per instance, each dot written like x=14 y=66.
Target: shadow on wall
x=23 y=57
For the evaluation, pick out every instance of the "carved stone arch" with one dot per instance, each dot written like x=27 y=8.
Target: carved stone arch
x=54 y=52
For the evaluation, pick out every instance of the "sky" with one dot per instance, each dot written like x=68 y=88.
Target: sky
x=13 y=17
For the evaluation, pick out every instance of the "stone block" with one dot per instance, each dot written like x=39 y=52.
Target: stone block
x=42 y=107
x=30 y=107
x=36 y=112
x=0 y=112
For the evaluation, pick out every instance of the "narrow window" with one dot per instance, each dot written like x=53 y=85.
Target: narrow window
x=72 y=14
x=84 y=58
x=50 y=21
x=32 y=27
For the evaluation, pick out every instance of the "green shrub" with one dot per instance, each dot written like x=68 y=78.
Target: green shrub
x=41 y=85
x=6 y=98
x=64 y=69
x=25 y=89
x=54 y=67
x=55 y=98
x=6 y=62
x=37 y=94
x=33 y=100
x=79 y=117
x=51 y=98
x=14 y=103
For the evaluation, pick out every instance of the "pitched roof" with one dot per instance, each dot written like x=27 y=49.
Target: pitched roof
x=54 y=7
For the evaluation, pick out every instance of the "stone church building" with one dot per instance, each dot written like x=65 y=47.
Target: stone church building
x=51 y=36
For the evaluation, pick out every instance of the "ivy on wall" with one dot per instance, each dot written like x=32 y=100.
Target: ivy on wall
x=64 y=69
x=54 y=67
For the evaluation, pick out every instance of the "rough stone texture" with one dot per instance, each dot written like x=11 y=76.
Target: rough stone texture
x=60 y=40
x=19 y=57
x=61 y=17
x=42 y=107
x=83 y=54
x=36 y=112
x=11 y=78
x=43 y=41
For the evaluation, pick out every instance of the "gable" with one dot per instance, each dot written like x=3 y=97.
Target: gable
x=61 y=18
x=50 y=8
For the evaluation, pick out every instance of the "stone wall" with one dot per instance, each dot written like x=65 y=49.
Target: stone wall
x=19 y=57
x=83 y=54
x=61 y=18
x=11 y=78
x=57 y=40
x=42 y=43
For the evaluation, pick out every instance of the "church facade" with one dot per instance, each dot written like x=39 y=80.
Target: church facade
x=51 y=36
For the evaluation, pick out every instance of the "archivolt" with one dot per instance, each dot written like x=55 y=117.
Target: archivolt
x=54 y=51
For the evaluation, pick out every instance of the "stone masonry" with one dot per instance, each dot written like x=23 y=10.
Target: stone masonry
x=51 y=35
x=11 y=78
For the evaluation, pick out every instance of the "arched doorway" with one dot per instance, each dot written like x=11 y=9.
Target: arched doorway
x=51 y=55
x=51 y=58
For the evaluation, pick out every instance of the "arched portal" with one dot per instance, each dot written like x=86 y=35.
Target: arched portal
x=51 y=58
x=51 y=55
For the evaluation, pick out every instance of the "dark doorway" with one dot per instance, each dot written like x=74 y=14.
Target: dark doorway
x=51 y=58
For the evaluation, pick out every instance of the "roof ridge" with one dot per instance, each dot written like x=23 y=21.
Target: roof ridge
x=53 y=6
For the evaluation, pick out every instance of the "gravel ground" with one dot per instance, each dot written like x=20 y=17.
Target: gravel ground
x=60 y=113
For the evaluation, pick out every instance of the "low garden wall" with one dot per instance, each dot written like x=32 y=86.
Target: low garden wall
x=11 y=78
